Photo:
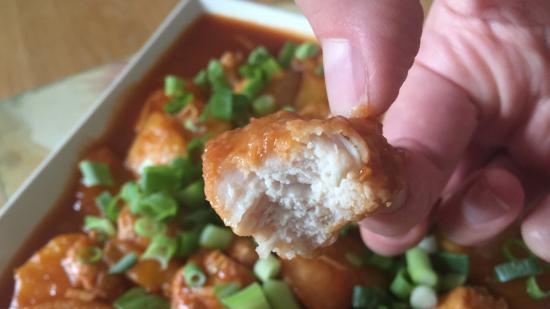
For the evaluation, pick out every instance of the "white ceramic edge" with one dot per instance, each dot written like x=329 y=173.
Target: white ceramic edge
x=43 y=189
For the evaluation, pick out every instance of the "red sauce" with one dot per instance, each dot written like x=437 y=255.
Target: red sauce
x=208 y=37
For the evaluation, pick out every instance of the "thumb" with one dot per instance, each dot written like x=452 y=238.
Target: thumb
x=368 y=47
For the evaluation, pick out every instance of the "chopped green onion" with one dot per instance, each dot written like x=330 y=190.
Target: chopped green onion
x=125 y=263
x=173 y=86
x=199 y=218
x=267 y=268
x=514 y=243
x=253 y=86
x=220 y=104
x=450 y=281
x=131 y=194
x=241 y=110
x=138 y=298
x=258 y=56
x=286 y=54
x=108 y=205
x=156 y=178
x=264 y=105
x=248 y=71
x=306 y=50
x=215 y=237
x=175 y=105
x=368 y=297
x=279 y=295
x=102 y=225
x=423 y=297
x=251 y=297
x=380 y=261
x=201 y=79
x=348 y=227
x=196 y=145
x=291 y=109
x=193 y=275
x=534 y=290
x=270 y=67
x=216 y=75
x=319 y=70
x=159 y=206
x=191 y=126
x=162 y=249
x=223 y=290
x=95 y=173
x=193 y=195
x=185 y=169
x=401 y=285
x=420 y=268
x=517 y=269
x=89 y=255
x=148 y=227
x=188 y=242
x=451 y=262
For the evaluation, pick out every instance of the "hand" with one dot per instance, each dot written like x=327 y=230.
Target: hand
x=473 y=115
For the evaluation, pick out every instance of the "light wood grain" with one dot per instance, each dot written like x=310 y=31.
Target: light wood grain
x=44 y=40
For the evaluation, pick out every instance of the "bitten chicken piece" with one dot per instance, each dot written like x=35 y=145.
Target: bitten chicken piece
x=471 y=298
x=293 y=182
x=158 y=142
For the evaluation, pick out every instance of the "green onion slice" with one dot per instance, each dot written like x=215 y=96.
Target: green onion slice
x=286 y=54
x=216 y=75
x=451 y=262
x=95 y=174
x=89 y=255
x=401 y=285
x=156 y=178
x=517 y=269
x=102 y=225
x=258 y=56
x=267 y=268
x=251 y=297
x=215 y=237
x=220 y=104
x=193 y=275
x=125 y=263
x=148 y=227
x=173 y=86
x=159 y=206
x=420 y=268
x=132 y=195
x=534 y=290
x=176 y=104
x=162 y=249
x=223 y=290
x=185 y=169
x=306 y=50
x=201 y=79
x=253 y=86
x=188 y=243
x=199 y=218
x=264 y=105
x=450 y=281
x=138 y=298
x=279 y=295
x=368 y=297
x=108 y=205
x=193 y=195
x=381 y=262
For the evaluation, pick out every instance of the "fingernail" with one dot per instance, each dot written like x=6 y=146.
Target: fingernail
x=481 y=203
x=345 y=75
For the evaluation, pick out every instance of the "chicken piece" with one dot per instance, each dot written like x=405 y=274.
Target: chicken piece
x=154 y=103
x=293 y=182
x=69 y=304
x=332 y=274
x=471 y=298
x=219 y=268
x=159 y=142
x=42 y=278
x=125 y=229
x=146 y=273
x=91 y=280
x=242 y=251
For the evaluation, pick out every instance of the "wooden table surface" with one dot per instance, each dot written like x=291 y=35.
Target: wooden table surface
x=44 y=40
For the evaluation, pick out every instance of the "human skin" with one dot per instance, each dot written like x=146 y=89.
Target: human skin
x=469 y=103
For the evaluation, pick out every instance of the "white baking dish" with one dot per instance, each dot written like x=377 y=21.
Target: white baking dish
x=30 y=204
